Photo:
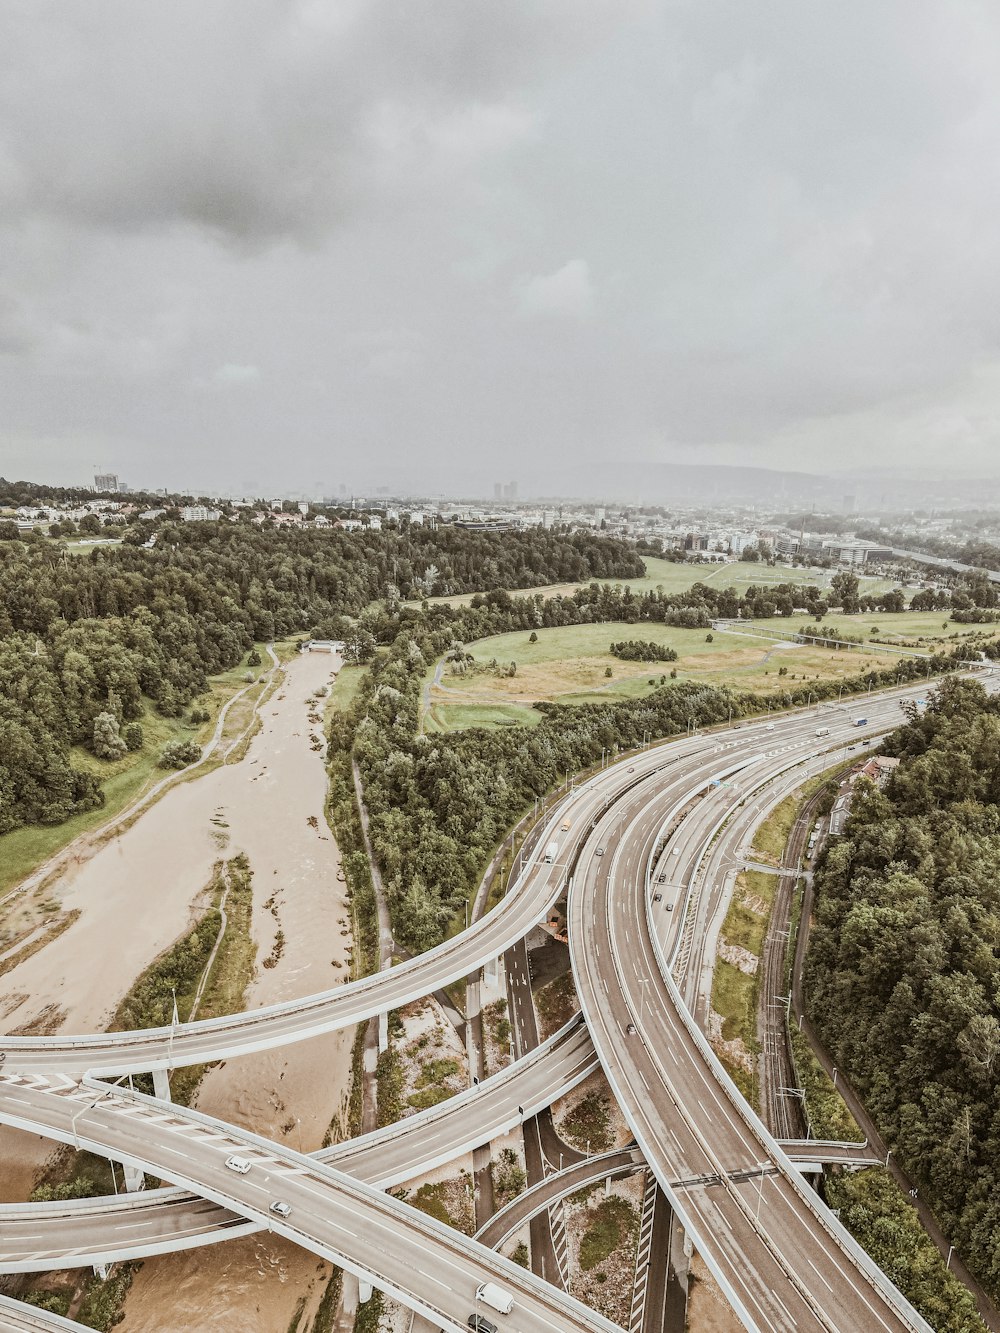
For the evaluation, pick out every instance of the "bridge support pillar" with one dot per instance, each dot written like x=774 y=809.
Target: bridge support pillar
x=491 y=972
x=101 y=1271
x=161 y=1085
x=134 y=1178
x=383 y=1032
x=349 y=1295
x=364 y=1290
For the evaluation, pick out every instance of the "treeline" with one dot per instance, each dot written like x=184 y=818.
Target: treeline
x=84 y=640
x=641 y=650
x=439 y=804
x=903 y=969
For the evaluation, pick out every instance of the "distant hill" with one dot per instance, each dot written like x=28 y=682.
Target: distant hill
x=709 y=484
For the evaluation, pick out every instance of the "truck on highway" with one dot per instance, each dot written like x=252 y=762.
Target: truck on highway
x=551 y=852
x=822 y=731
x=496 y=1297
x=861 y=722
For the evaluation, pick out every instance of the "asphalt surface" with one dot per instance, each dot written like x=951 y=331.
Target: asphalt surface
x=41 y=1236
x=776 y=1252
x=781 y=1258
x=432 y=1268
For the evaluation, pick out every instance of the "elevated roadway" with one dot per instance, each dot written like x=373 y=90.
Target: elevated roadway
x=432 y=1269
x=15 y=1315
x=36 y=1237
x=686 y=1116
x=780 y=1256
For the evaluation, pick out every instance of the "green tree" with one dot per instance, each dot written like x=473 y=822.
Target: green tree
x=132 y=735
x=108 y=742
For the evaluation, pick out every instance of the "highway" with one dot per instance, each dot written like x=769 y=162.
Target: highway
x=17 y=1315
x=781 y=1258
x=779 y=1255
x=35 y=1237
x=429 y=1267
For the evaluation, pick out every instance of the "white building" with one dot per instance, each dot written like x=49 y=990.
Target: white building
x=200 y=514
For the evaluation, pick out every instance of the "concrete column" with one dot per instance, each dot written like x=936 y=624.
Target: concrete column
x=134 y=1178
x=161 y=1085
x=349 y=1295
x=383 y=1032
x=101 y=1271
x=491 y=972
x=364 y=1290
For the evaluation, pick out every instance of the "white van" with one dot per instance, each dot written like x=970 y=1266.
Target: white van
x=822 y=731
x=496 y=1297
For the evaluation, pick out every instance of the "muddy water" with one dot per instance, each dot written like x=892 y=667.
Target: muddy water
x=136 y=895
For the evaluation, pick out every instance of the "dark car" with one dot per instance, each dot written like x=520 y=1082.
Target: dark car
x=631 y=1029
x=480 y=1324
x=657 y=897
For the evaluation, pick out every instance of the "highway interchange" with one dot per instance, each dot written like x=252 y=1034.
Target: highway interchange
x=781 y=1258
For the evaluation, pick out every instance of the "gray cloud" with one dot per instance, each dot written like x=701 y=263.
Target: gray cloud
x=428 y=244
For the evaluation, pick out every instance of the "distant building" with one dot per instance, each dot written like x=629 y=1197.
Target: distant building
x=374 y=522
x=152 y=513
x=106 y=481
x=200 y=514
x=303 y=508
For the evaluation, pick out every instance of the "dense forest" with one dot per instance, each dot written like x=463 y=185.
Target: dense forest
x=84 y=639
x=903 y=969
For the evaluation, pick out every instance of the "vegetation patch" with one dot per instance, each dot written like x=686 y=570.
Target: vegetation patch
x=450 y=1201
x=509 y=1178
x=825 y=1109
x=613 y=1222
x=104 y=1299
x=771 y=837
x=588 y=1125
x=390 y=1081
x=873 y=1209
x=556 y=1002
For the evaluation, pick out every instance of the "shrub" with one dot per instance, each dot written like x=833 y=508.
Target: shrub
x=178 y=754
x=132 y=735
x=108 y=742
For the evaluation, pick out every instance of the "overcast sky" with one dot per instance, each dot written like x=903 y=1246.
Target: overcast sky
x=268 y=246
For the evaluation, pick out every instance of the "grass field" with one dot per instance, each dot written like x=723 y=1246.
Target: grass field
x=569 y=664
x=345 y=688
x=673 y=577
x=905 y=626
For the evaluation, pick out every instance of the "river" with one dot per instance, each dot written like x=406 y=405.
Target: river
x=135 y=896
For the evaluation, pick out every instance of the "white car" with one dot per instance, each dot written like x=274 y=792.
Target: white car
x=238 y=1164
x=281 y=1208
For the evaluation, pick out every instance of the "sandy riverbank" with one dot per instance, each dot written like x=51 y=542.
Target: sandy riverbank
x=136 y=895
